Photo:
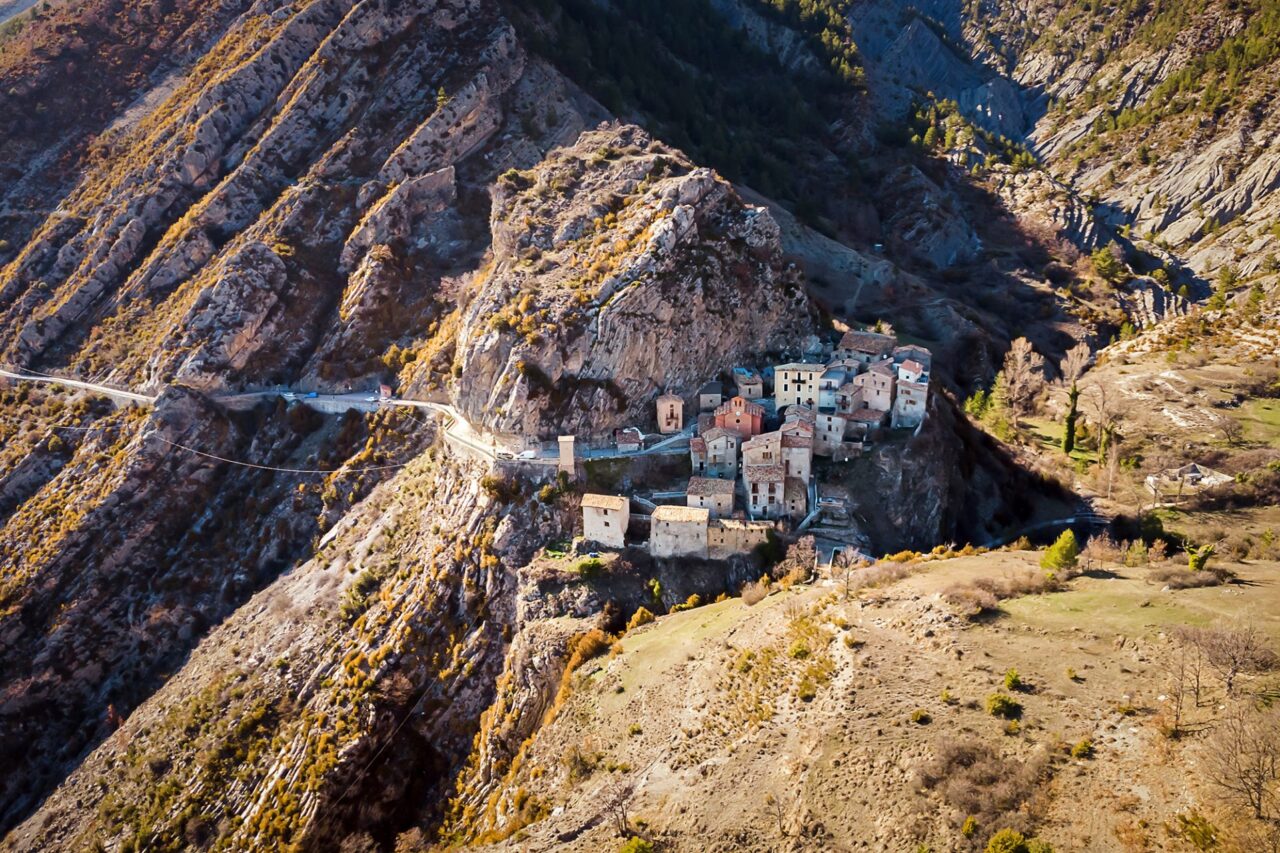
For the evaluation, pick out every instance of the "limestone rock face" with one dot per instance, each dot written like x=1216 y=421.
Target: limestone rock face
x=618 y=272
x=926 y=222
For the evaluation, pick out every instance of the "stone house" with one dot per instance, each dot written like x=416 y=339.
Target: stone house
x=909 y=405
x=877 y=386
x=670 y=414
x=698 y=455
x=741 y=416
x=729 y=536
x=764 y=484
x=849 y=398
x=629 y=440
x=862 y=422
x=605 y=519
x=710 y=396
x=912 y=371
x=795 y=498
x=763 y=449
x=722 y=453
x=749 y=382
x=797 y=455
x=828 y=432
x=679 y=531
x=911 y=352
x=711 y=494
x=866 y=347
x=796 y=383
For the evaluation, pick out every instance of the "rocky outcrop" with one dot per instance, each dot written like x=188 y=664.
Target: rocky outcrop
x=618 y=272
x=927 y=223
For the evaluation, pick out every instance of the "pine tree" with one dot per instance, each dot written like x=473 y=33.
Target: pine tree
x=1062 y=554
x=1069 y=423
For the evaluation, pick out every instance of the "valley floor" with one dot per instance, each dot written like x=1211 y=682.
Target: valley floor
x=804 y=721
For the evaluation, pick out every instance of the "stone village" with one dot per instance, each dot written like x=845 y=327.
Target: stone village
x=752 y=452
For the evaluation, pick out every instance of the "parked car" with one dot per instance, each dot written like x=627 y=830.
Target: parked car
x=529 y=454
x=312 y=395
x=506 y=454
x=372 y=399
x=289 y=395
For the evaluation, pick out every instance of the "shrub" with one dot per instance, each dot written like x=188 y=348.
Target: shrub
x=1062 y=554
x=921 y=717
x=1003 y=705
x=1083 y=749
x=586 y=646
x=969 y=827
x=1176 y=577
x=634 y=729
x=1012 y=681
x=754 y=593
x=643 y=616
x=691 y=602
x=636 y=844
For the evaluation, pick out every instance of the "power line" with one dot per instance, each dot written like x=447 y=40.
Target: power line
x=282 y=470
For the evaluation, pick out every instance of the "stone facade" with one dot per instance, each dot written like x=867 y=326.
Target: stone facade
x=670 y=414
x=726 y=536
x=866 y=347
x=749 y=382
x=679 y=531
x=711 y=494
x=605 y=519
x=710 y=396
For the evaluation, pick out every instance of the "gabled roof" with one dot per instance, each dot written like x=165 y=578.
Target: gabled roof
x=711 y=388
x=801 y=367
x=704 y=486
x=740 y=404
x=882 y=367
x=871 y=343
x=717 y=433
x=866 y=416
x=605 y=502
x=764 y=439
x=693 y=514
x=670 y=398
x=913 y=366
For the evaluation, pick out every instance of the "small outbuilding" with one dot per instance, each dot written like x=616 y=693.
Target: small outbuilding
x=712 y=494
x=679 y=531
x=670 y=414
x=605 y=519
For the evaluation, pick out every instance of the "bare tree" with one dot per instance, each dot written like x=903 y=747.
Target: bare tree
x=1023 y=376
x=1074 y=364
x=617 y=799
x=1232 y=431
x=1190 y=639
x=1109 y=410
x=1232 y=652
x=1243 y=758
x=775 y=809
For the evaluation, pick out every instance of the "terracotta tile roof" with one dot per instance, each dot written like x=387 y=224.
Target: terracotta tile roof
x=698 y=445
x=866 y=416
x=740 y=404
x=703 y=486
x=682 y=514
x=868 y=342
x=883 y=367
x=605 y=502
x=717 y=432
x=797 y=441
x=763 y=473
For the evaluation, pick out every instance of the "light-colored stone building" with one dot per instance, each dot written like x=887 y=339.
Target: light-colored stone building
x=909 y=405
x=796 y=383
x=722 y=453
x=670 y=414
x=679 y=531
x=877 y=386
x=866 y=347
x=712 y=494
x=764 y=484
x=797 y=455
x=763 y=449
x=605 y=519
x=729 y=536
x=749 y=382
x=629 y=439
x=828 y=432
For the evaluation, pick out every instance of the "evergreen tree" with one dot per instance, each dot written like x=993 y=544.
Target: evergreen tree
x=1062 y=554
x=1069 y=423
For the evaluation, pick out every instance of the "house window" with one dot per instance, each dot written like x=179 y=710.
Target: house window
x=606 y=524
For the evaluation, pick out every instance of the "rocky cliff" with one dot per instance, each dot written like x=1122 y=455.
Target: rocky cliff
x=619 y=272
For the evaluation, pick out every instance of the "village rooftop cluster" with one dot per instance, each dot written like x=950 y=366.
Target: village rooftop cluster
x=747 y=480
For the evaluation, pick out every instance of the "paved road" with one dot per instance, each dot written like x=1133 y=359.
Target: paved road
x=457 y=428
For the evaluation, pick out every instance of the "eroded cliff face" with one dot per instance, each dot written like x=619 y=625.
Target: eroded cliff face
x=619 y=271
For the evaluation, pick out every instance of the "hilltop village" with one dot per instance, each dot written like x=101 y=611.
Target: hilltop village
x=752 y=453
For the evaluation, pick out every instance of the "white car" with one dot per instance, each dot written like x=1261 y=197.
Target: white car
x=528 y=454
x=373 y=399
x=289 y=395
